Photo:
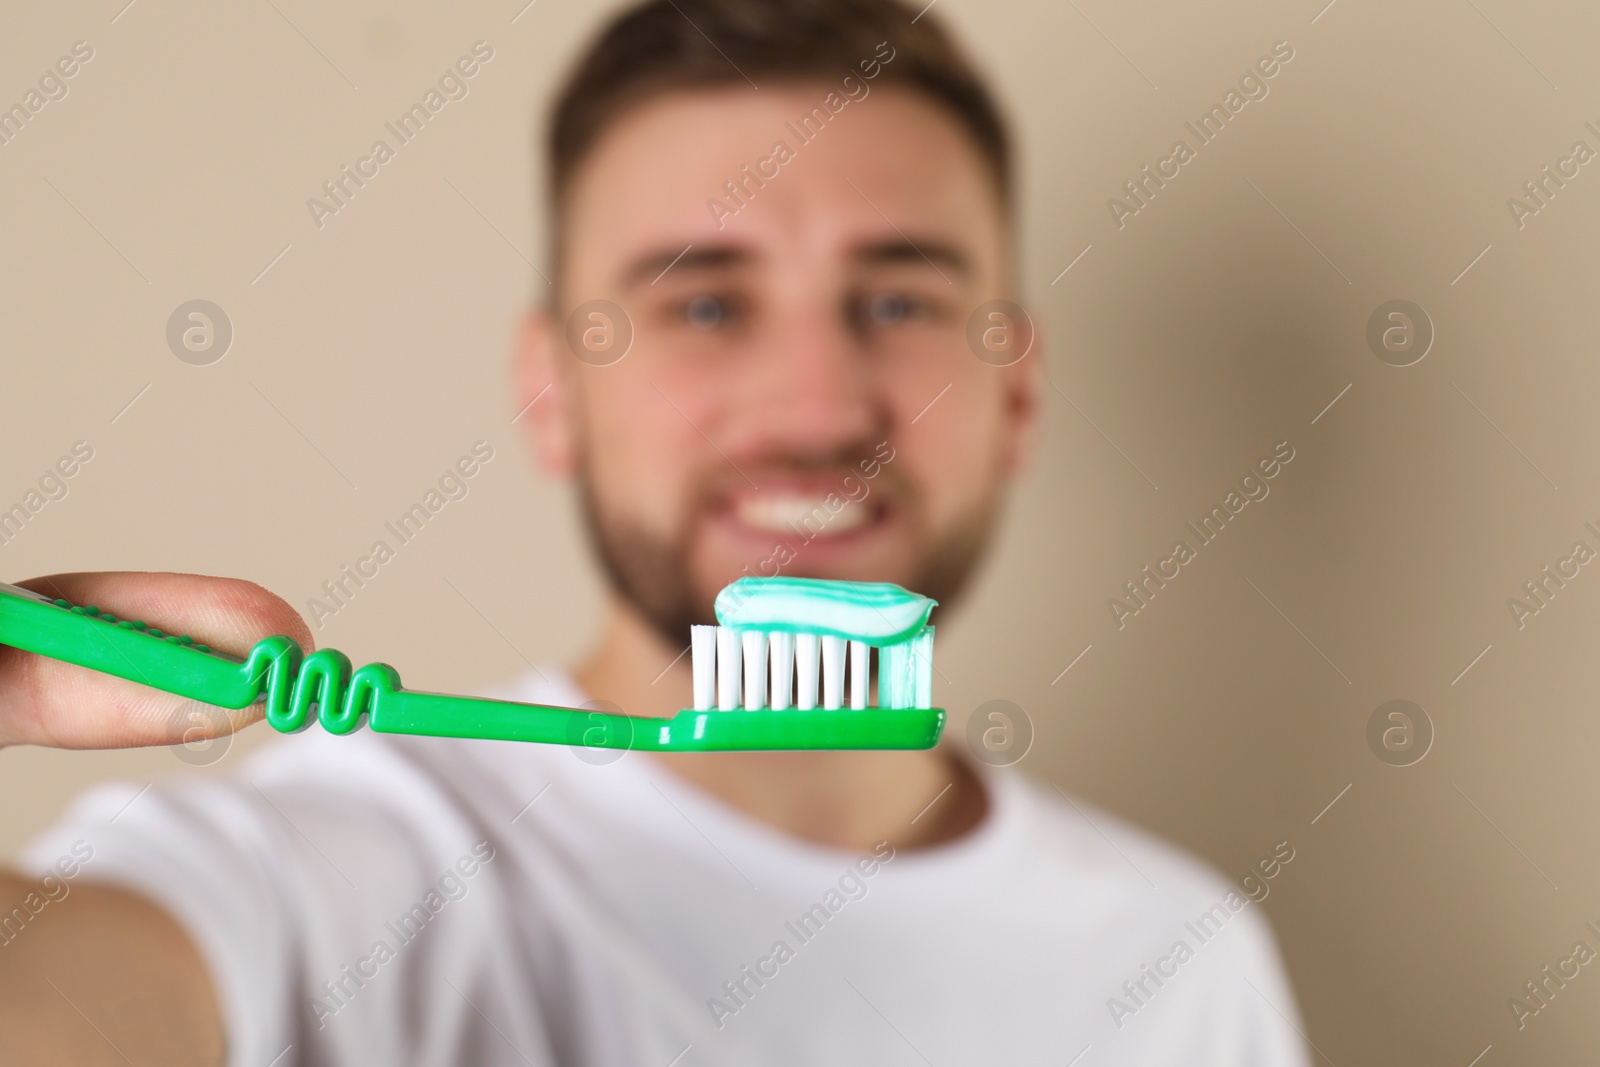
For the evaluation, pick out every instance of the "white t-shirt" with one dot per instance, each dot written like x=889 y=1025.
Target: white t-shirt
x=375 y=899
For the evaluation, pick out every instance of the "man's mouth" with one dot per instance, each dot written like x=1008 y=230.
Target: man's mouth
x=816 y=523
x=811 y=514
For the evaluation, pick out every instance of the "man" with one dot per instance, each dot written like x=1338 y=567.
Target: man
x=796 y=264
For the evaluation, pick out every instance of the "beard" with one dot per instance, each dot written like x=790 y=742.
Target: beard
x=653 y=571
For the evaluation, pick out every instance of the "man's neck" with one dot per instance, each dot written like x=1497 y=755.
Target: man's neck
x=848 y=800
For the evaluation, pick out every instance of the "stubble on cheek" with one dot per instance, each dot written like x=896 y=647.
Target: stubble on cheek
x=648 y=567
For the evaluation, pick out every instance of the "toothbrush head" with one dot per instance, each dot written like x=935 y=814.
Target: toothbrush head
x=789 y=665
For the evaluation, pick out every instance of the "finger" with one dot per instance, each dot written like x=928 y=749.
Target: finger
x=230 y=614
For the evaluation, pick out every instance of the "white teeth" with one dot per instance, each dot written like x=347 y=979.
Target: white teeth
x=782 y=646
x=807 y=651
x=809 y=516
x=755 y=669
x=703 y=645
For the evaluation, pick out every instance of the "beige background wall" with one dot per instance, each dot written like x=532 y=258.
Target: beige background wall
x=1220 y=320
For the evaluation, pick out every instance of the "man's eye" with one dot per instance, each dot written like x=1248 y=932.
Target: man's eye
x=707 y=312
x=890 y=309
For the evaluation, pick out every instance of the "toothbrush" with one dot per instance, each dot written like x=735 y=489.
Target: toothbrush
x=756 y=675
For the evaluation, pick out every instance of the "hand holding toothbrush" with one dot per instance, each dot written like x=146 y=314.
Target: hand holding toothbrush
x=56 y=704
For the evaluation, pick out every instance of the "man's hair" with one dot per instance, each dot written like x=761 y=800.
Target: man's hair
x=662 y=45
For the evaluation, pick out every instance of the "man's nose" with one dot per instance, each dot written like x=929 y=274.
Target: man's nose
x=811 y=387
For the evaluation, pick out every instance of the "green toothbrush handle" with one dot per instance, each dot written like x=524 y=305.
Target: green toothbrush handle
x=124 y=648
x=407 y=712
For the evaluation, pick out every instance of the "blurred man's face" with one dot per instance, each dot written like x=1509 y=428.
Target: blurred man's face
x=799 y=397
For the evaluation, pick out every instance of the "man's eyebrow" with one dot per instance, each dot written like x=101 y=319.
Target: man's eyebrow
x=929 y=251
x=650 y=266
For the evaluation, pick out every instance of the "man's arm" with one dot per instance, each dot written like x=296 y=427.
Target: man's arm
x=102 y=975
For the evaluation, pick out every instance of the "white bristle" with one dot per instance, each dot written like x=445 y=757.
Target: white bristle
x=922 y=649
x=703 y=653
x=727 y=668
x=806 y=652
x=780 y=646
x=832 y=671
x=895 y=686
x=755 y=669
x=860 y=673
